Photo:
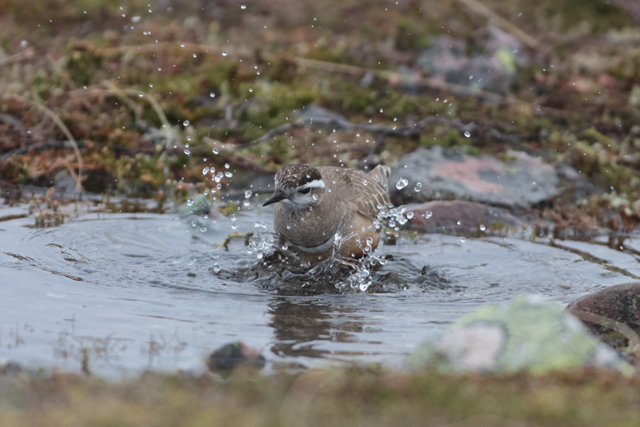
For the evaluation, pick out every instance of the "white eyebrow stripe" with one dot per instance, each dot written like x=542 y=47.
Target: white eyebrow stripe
x=316 y=183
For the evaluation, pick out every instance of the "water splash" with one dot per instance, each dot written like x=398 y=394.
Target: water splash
x=401 y=183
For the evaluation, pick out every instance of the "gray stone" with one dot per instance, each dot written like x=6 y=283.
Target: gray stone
x=492 y=68
x=444 y=174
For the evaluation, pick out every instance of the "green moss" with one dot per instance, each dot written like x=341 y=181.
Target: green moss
x=601 y=15
x=370 y=396
x=217 y=74
x=82 y=64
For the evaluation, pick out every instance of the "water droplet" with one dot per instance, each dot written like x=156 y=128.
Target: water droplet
x=205 y=171
x=228 y=174
x=409 y=215
x=190 y=201
x=459 y=222
x=428 y=214
x=364 y=181
x=288 y=227
x=401 y=183
x=358 y=135
x=381 y=110
x=248 y=194
x=212 y=95
x=418 y=187
x=224 y=53
x=467 y=134
x=226 y=166
x=285 y=247
x=260 y=224
x=250 y=89
x=462 y=239
x=215 y=151
x=216 y=268
x=141 y=95
x=243 y=6
x=150 y=84
x=314 y=197
x=482 y=227
x=185 y=123
x=187 y=152
x=203 y=229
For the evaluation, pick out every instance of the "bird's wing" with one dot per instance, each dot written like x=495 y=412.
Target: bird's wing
x=381 y=174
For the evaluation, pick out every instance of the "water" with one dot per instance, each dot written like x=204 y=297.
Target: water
x=139 y=291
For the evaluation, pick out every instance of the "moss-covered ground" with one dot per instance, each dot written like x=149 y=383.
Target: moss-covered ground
x=339 y=396
x=148 y=92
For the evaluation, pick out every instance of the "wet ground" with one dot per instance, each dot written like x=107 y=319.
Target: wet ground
x=137 y=291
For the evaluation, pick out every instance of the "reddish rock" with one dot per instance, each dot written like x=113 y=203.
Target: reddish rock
x=620 y=303
x=458 y=215
x=517 y=181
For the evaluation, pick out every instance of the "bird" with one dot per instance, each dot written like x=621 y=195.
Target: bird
x=318 y=207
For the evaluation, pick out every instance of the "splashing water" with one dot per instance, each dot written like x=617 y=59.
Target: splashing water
x=401 y=183
x=282 y=268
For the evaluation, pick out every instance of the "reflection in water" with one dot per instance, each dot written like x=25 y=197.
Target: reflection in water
x=298 y=326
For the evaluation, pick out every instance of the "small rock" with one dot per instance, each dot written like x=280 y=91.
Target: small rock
x=198 y=205
x=528 y=333
x=521 y=182
x=457 y=215
x=619 y=303
x=9 y=367
x=493 y=68
x=314 y=112
x=229 y=356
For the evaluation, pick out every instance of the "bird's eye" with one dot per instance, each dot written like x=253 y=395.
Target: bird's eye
x=305 y=190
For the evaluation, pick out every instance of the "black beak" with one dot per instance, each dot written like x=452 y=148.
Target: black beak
x=275 y=198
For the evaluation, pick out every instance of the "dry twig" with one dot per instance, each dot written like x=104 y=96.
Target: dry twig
x=378 y=129
x=64 y=130
x=21 y=56
x=484 y=11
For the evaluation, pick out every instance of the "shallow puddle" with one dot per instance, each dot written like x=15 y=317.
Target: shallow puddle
x=145 y=291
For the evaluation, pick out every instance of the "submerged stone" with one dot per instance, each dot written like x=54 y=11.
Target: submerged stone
x=529 y=333
x=229 y=356
x=520 y=182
